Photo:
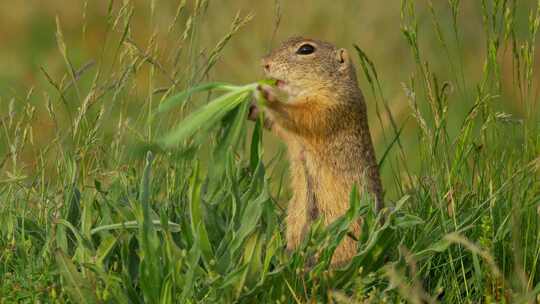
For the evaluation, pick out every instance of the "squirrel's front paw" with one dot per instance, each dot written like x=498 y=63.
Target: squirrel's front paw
x=254 y=113
x=272 y=94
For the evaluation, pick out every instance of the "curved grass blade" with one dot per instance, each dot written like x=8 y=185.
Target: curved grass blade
x=173 y=227
x=82 y=241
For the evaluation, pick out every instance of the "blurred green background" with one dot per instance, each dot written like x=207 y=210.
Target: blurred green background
x=28 y=44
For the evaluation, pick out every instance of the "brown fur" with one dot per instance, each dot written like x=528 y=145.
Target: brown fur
x=323 y=121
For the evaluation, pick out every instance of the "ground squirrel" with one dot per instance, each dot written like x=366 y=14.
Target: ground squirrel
x=317 y=109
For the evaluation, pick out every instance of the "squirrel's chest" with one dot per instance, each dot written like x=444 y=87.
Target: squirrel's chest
x=315 y=185
x=308 y=183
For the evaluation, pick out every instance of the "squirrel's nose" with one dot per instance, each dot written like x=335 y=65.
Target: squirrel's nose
x=266 y=65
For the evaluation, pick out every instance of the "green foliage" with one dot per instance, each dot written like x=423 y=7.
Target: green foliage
x=197 y=216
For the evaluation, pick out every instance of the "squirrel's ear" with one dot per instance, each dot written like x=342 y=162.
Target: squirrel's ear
x=343 y=58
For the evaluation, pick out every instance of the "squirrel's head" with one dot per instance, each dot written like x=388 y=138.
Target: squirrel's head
x=304 y=66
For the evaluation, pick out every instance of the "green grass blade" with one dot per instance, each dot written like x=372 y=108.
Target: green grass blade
x=250 y=219
x=198 y=227
x=105 y=247
x=77 y=288
x=234 y=131
x=151 y=276
x=256 y=144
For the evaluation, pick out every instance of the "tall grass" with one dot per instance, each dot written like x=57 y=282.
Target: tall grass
x=100 y=213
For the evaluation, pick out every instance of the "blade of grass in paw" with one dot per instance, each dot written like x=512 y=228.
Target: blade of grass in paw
x=210 y=114
x=207 y=116
x=179 y=98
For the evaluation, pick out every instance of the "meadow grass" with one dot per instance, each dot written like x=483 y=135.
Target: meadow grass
x=108 y=211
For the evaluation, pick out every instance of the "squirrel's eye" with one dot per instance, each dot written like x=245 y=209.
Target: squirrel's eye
x=305 y=49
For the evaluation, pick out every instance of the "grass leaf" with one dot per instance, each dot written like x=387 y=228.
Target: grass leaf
x=78 y=289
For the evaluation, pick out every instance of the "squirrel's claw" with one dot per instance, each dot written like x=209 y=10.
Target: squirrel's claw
x=253 y=113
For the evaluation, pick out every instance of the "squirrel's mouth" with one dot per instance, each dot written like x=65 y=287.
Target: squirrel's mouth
x=285 y=87
x=279 y=83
